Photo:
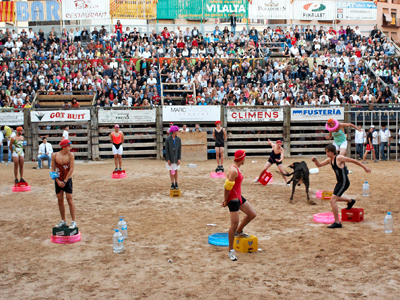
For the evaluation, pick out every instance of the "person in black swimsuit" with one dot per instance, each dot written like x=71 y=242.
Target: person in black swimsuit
x=276 y=157
x=338 y=163
x=219 y=135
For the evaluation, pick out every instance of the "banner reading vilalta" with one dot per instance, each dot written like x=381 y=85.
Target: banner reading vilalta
x=197 y=9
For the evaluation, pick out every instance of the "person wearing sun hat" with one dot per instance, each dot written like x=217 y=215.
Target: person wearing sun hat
x=235 y=201
x=173 y=147
x=63 y=162
x=219 y=135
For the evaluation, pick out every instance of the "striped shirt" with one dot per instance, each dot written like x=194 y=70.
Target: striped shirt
x=339 y=137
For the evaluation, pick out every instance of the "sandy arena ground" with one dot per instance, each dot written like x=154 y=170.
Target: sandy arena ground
x=299 y=259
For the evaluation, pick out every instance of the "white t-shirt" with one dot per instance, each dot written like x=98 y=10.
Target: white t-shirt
x=65 y=134
x=384 y=135
x=359 y=138
x=9 y=139
x=151 y=81
x=375 y=136
x=1 y=138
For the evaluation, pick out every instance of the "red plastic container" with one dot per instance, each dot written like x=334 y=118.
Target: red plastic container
x=353 y=215
x=118 y=174
x=21 y=187
x=265 y=177
x=66 y=239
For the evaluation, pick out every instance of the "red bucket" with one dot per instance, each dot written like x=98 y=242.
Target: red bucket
x=265 y=178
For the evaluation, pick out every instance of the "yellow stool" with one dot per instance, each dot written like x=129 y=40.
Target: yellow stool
x=326 y=195
x=245 y=245
x=175 y=193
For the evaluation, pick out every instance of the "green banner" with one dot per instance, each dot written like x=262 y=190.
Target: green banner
x=198 y=9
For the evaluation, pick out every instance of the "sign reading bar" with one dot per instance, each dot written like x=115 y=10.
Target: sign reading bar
x=199 y=113
x=317 y=114
x=35 y=11
x=255 y=115
x=60 y=115
x=12 y=118
x=127 y=116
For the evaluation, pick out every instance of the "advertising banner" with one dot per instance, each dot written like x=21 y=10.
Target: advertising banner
x=41 y=11
x=7 y=9
x=356 y=11
x=60 y=116
x=127 y=116
x=85 y=9
x=237 y=115
x=199 y=113
x=317 y=114
x=128 y=9
x=12 y=118
x=270 y=9
x=198 y=9
x=314 y=10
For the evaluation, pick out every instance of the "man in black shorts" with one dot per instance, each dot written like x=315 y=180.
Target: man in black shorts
x=338 y=163
x=63 y=162
x=276 y=157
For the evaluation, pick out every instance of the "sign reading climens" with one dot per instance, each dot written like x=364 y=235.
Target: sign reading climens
x=317 y=114
x=60 y=115
x=254 y=115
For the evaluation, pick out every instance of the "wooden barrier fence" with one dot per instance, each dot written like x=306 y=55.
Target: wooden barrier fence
x=144 y=138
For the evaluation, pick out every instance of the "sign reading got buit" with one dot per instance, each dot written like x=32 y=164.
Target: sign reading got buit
x=255 y=115
x=199 y=113
x=317 y=114
x=127 y=116
x=60 y=116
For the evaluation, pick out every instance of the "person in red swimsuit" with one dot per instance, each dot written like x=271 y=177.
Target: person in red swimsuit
x=235 y=202
x=63 y=162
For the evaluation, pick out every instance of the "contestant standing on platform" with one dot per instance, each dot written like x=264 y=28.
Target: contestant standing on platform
x=235 y=201
x=63 y=162
x=219 y=135
x=173 y=147
x=117 y=139
x=16 y=147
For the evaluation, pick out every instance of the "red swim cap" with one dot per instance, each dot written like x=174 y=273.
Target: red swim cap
x=217 y=122
x=65 y=143
x=240 y=155
x=279 y=142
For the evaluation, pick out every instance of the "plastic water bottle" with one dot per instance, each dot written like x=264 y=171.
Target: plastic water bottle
x=388 y=223
x=365 y=191
x=192 y=166
x=123 y=228
x=118 y=242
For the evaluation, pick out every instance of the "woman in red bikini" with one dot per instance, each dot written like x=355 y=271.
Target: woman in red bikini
x=235 y=202
x=63 y=162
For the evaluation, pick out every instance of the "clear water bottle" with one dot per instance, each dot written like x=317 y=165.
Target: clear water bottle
x=118 y=242
x=388 y=223
x=365 y=191
x=123 y=228
x=192 y=166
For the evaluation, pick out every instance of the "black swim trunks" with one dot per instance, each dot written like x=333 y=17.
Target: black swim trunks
x=274 y=157
x=234 y=205
x=67 y=188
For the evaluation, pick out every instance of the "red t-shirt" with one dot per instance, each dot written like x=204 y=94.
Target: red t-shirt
x=195 y=44
x=166 y=35
x=181 y=45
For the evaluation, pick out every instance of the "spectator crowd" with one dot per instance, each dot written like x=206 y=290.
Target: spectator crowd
x=300 y=65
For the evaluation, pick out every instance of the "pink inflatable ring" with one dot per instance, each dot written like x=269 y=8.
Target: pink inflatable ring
x=332 y=128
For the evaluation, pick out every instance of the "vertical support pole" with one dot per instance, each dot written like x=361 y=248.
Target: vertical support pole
x=94 y=136
x=347 y=119
x=28 y=131
x=224 y=121
x=286 y=130
x=159 y=132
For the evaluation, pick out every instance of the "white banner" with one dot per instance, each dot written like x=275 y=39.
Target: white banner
x=85 y=9
x=317 y=114
x=255 y=115
x=270 y=9
x=12 y=118
x=314 y=10
x=60 y=115
x=356 y=11
x=198 y=113
x=127 y=116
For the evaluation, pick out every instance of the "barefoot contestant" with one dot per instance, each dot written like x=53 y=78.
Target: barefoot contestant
x=336 y=130
x=63 y=162
x=16 y=147
x=276 y=157
x=234 y=200
x=117 y=139
x=173 y=155
x=338 y=165
x=219 y=135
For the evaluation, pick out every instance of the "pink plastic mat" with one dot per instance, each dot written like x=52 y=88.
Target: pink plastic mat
x=66 y=239
x=118 y=174
x=23 y=188
x=217 y=175
x=325 y=218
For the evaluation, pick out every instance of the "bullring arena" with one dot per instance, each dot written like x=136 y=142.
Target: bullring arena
x=299 y=259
